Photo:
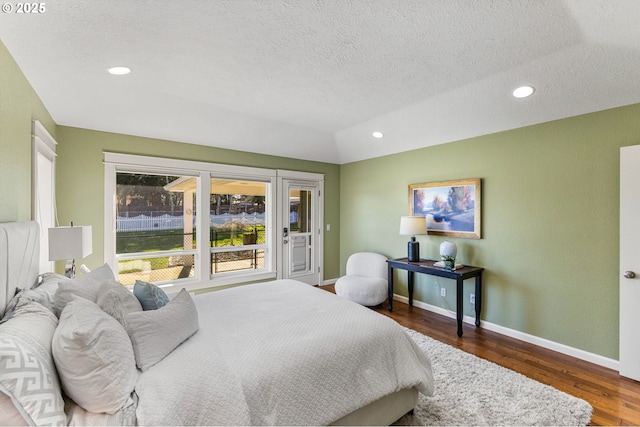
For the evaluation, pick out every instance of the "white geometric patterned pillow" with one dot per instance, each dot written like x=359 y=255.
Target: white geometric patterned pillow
x=27 y=373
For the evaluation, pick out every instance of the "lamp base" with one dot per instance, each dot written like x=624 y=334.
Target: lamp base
x=70 y=269
x=413 y=251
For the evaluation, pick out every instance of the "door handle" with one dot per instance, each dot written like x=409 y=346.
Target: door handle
x=629 y=274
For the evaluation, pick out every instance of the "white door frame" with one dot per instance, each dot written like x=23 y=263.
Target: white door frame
x=303 y=179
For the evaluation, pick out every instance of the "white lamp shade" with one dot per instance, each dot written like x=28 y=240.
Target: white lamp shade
x=413 y=225
x=69 y=242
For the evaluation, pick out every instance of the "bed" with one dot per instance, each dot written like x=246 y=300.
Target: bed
x=273 y=353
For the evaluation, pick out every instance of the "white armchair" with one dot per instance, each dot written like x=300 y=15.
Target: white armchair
x=366 y=279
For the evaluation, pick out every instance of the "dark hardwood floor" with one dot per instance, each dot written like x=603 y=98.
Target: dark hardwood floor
x=615 y=400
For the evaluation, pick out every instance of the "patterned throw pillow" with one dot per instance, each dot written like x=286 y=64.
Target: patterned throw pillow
x=150 y=296
x=28 y=375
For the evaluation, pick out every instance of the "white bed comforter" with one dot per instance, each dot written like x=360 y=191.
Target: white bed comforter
x=280 y=353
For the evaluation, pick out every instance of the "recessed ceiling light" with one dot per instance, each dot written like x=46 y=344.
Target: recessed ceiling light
x=523 y=91
x=378 y=135
x=119 y=71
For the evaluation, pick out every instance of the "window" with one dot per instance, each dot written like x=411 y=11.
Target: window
x=155 y=237
x=238 y=234
x=159 y=211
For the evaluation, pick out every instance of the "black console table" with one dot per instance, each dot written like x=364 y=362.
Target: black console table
x=426 y=266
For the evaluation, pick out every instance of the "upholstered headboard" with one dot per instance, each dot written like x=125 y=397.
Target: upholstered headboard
x=19 y=258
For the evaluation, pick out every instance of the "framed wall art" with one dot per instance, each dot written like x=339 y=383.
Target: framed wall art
x=452 y=208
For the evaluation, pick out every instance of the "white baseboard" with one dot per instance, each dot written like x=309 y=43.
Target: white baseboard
x=532 y=339
x=329 y=282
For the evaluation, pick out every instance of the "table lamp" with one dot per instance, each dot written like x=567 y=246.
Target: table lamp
x=69 y=243
x=413 y=226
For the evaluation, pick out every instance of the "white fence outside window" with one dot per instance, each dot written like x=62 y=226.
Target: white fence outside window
x=172 y=222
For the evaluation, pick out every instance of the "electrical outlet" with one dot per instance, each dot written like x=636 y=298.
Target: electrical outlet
x=443 y=292
x=472 y=298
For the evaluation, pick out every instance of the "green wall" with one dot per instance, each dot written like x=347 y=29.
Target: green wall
x=550 y=209
x=19 y=104
x=80 y=179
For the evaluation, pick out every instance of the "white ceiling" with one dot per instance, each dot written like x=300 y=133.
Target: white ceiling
x=312 y=79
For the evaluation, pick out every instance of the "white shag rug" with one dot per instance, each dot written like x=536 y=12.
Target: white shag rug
x=474 y=391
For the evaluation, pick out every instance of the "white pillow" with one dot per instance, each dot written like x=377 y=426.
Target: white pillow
x=28 y=378
x=87 y=286
x=156 y=333
x=94 y=358
x=117 y=301
x=43 y=294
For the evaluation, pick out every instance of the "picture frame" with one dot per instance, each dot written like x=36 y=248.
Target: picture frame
x=451 y=208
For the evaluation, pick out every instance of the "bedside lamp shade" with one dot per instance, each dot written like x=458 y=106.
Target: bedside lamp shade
x=413 y=226
x=69 y=243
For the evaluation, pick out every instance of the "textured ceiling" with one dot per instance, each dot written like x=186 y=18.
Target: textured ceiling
x=312 y=79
